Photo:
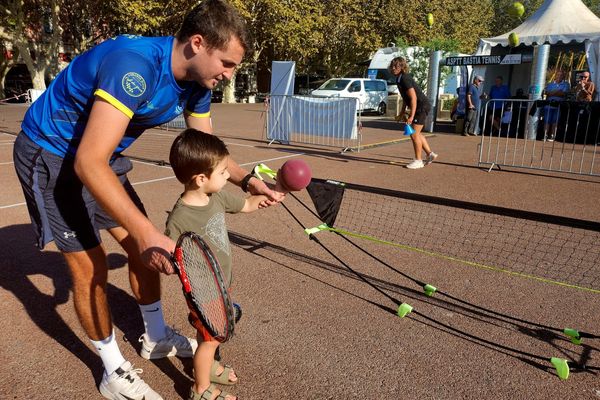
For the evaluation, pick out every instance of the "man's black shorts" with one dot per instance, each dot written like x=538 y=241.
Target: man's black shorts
x=61 y=208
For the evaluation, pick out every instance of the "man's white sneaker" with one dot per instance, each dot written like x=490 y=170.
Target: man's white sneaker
x=125 y=384
x=416 y=164
x=431 y=158
x=173 y=344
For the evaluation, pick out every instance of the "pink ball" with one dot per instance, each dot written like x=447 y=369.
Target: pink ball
x=295 y=174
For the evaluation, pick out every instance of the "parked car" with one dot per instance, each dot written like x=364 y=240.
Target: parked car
x=372 y=94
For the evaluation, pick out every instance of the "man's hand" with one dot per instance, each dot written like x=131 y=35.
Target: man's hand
x=273 y=193
x=155 y=252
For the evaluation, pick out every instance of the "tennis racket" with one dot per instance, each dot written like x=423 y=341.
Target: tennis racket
x=203 y=285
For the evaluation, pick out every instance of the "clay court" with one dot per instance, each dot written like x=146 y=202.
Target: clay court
x=310 y=328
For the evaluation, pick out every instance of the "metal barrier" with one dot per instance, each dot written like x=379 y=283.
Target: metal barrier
x=177 y=123
x=542 y=135
x=324 y=121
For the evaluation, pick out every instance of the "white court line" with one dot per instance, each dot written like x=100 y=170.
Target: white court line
x=173 y=176
x=7 y=163
x=174 y=136
x=239 y=144
x=12 y=205
x=12 y=142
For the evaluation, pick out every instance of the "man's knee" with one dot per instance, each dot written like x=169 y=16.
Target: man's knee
x=88 y=266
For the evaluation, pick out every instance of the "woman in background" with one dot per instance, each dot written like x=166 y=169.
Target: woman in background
x=419 y=105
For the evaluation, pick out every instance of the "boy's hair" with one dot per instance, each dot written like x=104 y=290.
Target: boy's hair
x=217 y=21
x=194 y=152
x=401 y=63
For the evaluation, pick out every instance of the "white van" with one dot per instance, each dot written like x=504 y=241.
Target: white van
x=372 y=94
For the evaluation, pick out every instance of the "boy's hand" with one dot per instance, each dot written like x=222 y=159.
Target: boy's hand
x=274 y=194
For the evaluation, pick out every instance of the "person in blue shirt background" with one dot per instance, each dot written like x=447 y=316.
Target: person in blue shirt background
x=556 y=90
x=74 y=178
x=496 y=108
x=474 y=96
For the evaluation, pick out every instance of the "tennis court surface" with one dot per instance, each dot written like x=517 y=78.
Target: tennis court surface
x=319 y=315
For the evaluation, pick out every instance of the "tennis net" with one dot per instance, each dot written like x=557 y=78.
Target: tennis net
x=541 y=246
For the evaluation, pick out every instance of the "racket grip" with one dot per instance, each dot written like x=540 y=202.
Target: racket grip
x=237 y=312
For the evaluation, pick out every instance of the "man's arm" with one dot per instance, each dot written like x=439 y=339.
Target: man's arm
x=104 y=130
x=203 y=124
x=470 y=99
x=237 y=173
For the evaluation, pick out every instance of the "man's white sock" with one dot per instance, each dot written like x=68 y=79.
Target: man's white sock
x=109 y=352
x=154 y=321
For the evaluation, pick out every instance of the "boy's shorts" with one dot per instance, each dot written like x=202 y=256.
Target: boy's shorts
x=196 y=322
x=60 y=207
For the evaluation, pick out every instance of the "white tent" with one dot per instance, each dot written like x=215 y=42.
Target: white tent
x=557 y=21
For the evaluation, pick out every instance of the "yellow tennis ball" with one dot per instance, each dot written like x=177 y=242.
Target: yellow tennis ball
x=430 y=20
x=516 y=9
x=513 y=39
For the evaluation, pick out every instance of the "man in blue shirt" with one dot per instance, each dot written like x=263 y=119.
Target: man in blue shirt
x=474 y=94
x=556 y=90
x=496 y=108
x=68 y=160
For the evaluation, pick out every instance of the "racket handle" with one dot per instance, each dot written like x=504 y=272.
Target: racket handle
x=237 y=312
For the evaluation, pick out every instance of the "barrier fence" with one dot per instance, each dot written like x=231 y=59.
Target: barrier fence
x=542 y=135
x=177 y=123
x=325 y=121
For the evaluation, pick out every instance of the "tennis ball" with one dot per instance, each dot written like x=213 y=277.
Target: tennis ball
x=513 y=39
x=430 y=20
x=516 y=9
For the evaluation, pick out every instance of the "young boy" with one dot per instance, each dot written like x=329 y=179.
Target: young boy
x=199 y=161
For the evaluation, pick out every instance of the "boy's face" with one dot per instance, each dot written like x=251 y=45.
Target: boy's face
x=218 y=178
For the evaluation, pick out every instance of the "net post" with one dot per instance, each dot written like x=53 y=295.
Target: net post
x=263 y=169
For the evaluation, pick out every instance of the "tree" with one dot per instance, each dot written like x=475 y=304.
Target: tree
x=7 y=60
x=33 y=30
x=464 y=22
x=418 y=58
x=281 y=30
x=348 y=36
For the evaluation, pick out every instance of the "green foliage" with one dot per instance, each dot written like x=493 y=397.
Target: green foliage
x=464 y=22
x=418 y=57
x=325 y=36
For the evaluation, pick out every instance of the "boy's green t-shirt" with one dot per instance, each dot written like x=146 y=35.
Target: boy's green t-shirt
x=208 y=222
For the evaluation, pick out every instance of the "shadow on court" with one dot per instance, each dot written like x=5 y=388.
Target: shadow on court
x=473 y=313
x=21 y=260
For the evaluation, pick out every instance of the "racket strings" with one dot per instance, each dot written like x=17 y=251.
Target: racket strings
x=205 y=289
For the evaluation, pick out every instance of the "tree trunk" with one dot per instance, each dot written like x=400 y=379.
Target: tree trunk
x=229 y=91
x=37 y=78
x=5 y=66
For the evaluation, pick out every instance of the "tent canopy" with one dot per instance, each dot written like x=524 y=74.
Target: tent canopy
x=555 y=21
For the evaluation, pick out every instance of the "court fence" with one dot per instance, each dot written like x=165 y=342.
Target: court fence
x=542 y=135
x=177 y=123
x=324 y=121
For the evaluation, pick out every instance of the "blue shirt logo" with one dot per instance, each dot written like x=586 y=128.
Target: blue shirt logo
x=133 y=84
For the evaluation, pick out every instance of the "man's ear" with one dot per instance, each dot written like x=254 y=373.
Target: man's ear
x=196 y=43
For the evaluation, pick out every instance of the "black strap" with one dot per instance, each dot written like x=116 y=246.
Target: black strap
x=245 y=181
